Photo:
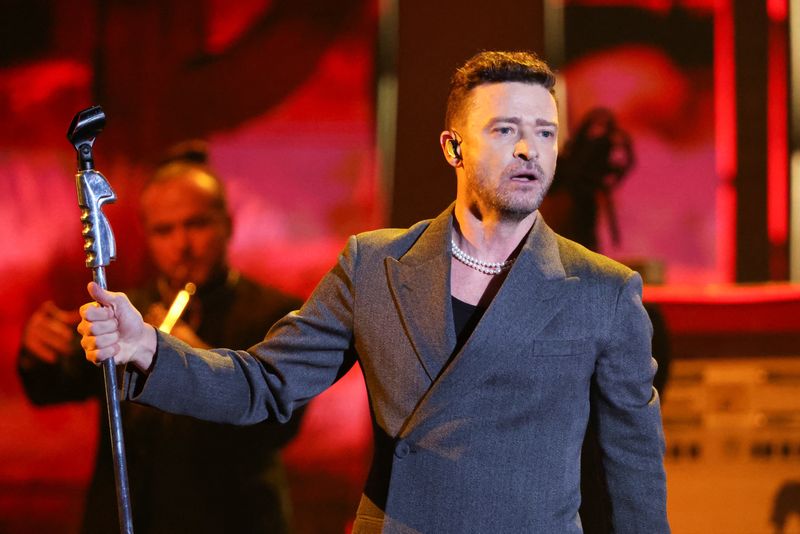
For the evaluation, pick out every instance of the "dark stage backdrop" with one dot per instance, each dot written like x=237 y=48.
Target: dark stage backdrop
x=284 y=92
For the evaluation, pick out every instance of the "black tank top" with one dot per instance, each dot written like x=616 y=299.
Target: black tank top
x=465 y=318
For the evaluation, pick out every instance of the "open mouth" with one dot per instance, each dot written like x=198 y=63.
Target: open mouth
x=524 y=177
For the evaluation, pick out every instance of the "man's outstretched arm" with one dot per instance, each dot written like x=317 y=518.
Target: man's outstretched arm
x=303 y=354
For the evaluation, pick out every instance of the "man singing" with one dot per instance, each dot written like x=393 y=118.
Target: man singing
x=484 y=338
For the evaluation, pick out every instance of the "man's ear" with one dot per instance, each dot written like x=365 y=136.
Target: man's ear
x=451 y=148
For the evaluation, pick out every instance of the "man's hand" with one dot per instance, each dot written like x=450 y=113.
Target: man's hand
x=49 y=334
x=112 y=328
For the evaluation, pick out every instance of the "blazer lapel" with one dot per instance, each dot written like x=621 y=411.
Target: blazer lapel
x=537 y=286
x=420 y=285
x=534 y=291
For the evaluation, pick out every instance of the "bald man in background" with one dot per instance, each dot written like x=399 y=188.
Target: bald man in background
x=185 y=475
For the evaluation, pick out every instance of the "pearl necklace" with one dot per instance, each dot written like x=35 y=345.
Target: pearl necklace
x=485 y=267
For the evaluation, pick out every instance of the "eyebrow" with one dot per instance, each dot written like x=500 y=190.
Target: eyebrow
x=517 y=120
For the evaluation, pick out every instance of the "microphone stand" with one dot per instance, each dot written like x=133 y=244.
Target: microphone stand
x=94 y=191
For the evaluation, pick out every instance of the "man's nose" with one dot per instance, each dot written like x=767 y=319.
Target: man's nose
x=180 y=239
x=524 y=150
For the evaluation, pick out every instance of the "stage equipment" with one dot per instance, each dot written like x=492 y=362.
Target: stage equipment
x=94 y=191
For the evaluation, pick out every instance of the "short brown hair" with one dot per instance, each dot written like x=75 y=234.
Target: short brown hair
x=495 y=67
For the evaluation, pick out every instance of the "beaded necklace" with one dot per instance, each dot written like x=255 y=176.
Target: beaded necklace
x=485 y=267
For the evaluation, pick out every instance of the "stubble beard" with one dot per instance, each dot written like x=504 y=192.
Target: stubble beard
x=513 y=206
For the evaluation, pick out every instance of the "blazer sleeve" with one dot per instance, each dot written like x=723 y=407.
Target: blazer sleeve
x=629 y=427
x=302 y=354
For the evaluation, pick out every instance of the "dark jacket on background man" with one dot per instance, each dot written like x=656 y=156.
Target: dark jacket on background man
x=185 y=475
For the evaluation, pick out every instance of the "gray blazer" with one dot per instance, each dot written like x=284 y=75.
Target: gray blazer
x=485 y=440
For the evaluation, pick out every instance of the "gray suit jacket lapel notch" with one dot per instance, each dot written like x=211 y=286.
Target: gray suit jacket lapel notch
x=536 y=286
x=420 y=285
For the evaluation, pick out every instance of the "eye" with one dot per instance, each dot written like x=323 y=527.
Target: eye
x=161 y=229
x=547 y=134
x=198 y=222
x=504 y=130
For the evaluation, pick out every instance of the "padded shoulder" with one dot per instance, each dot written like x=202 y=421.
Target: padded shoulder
x=392 y=242
x=582 y=262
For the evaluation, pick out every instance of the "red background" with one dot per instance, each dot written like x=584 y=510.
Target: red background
x=284 y=94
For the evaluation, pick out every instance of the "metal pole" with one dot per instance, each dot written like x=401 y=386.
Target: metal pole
x=115 y=428
x=94 y=191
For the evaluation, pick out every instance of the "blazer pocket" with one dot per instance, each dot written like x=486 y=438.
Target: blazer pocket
x=562 y=347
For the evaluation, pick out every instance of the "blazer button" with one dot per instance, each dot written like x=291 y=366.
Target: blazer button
x=402 y=449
